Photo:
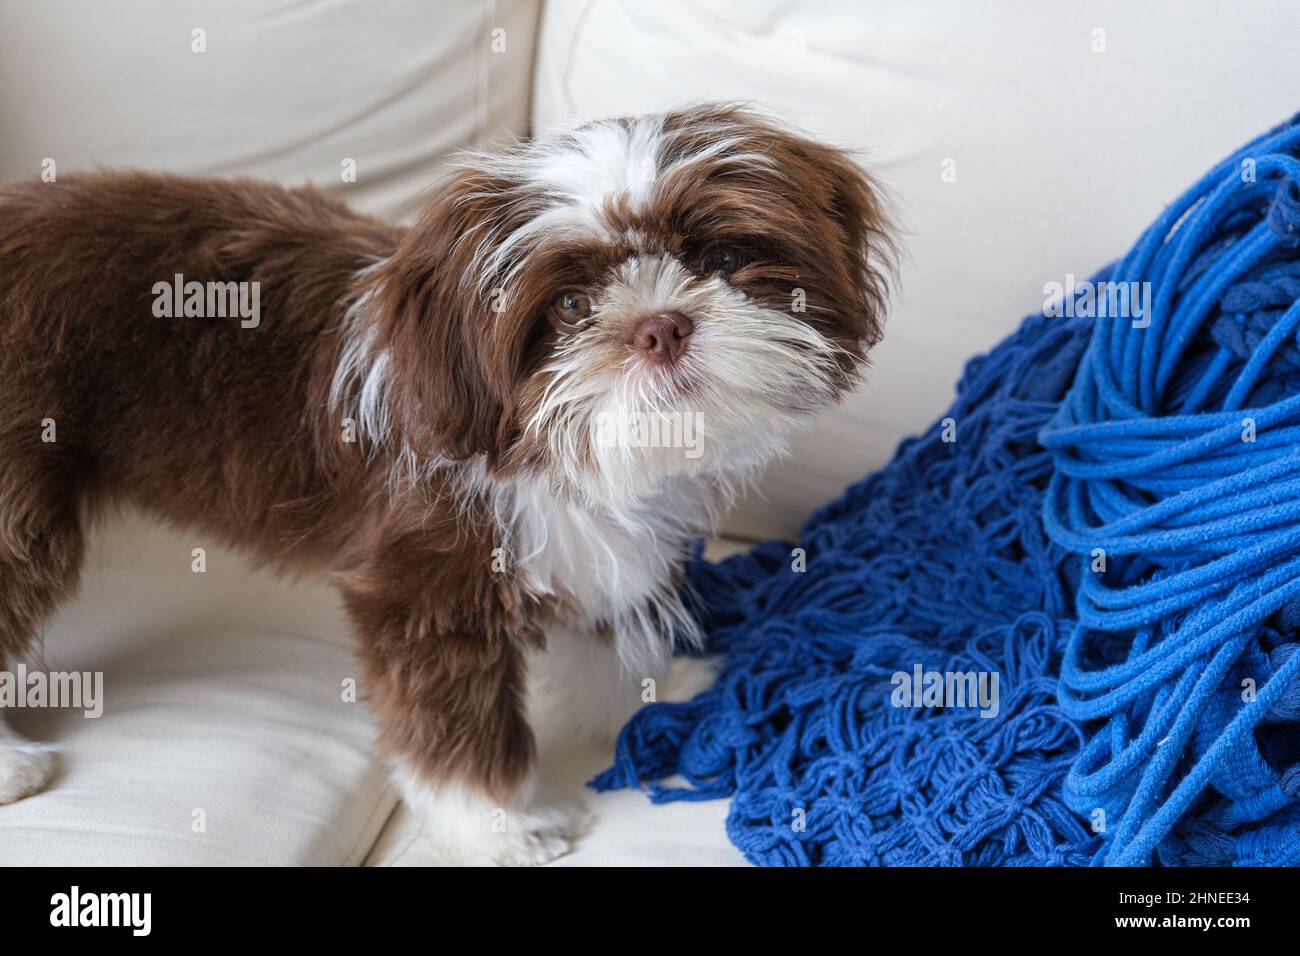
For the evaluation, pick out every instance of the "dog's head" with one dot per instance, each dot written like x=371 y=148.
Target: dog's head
x=632 y=299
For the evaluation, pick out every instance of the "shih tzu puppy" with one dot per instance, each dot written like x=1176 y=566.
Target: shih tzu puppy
x=498 y=431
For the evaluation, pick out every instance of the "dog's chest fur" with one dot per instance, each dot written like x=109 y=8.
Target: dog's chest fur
x=607 y=569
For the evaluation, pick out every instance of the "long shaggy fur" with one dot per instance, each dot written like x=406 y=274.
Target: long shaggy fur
x=412 y=416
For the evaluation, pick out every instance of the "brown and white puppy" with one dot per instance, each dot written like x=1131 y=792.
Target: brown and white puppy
x=453 y=421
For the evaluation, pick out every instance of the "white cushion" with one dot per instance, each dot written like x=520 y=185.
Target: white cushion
x=224 y=706
x=1062 y=155
x=284 y=91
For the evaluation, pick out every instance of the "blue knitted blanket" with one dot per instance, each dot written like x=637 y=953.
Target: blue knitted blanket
x=1059 y=627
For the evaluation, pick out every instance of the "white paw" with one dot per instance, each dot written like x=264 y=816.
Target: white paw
x=464 y=827
x=25 y=769
x=688 y=677
x=534 y=837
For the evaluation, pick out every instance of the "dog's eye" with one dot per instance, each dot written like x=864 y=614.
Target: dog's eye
x=573 y=307
x=719 y=258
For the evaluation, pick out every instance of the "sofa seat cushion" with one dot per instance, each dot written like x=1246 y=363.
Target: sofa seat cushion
x=225 y=736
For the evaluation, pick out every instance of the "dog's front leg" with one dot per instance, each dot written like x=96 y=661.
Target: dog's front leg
x=450 y=706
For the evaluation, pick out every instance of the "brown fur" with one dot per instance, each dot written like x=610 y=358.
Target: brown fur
x=231 y=431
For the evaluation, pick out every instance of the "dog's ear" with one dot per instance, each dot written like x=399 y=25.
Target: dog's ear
x=845 y=210
x=867 y=253
x=453 y=357
x=829 y=215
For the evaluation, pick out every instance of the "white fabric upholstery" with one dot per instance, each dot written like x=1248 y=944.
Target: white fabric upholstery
x=225 y=736
x=286 y=90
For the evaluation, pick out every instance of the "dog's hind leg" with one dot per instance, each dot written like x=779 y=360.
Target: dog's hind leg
x=41 y=549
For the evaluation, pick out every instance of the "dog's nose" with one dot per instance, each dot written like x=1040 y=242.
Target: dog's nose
x=663 y=336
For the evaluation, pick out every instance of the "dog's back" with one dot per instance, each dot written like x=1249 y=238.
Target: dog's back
x=161 y=338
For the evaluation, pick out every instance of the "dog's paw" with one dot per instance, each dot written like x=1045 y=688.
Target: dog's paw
x=534 y=837
x=463 y=827
x=25 y=769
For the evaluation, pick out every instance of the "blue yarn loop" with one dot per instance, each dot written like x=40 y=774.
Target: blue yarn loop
x=937 y=561
x=1113 y=530
x=1177 y=479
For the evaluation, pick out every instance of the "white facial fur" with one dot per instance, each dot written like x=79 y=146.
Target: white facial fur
x=568 y=176
x=749 y=376
x=750 y=371
x=746 y=378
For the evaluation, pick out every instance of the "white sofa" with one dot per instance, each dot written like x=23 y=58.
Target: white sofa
x=226 y=737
